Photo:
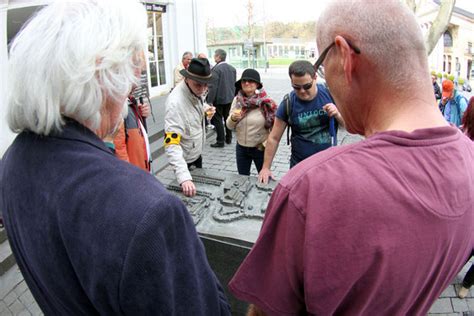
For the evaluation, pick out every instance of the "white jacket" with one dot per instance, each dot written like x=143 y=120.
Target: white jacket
x=184 y=116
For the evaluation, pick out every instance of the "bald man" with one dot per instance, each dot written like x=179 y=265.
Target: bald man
x=382 y=226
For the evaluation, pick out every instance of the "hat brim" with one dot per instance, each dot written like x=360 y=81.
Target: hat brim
x=238 y=84
x=201 y=79
x=446 y=94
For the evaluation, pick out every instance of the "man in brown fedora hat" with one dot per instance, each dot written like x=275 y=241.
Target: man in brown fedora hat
x=184 y=122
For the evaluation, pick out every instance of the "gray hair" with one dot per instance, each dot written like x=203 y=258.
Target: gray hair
x=300 y=68
x=221 y=53
x=69 y=58
x=386 y=32
x=185 y=54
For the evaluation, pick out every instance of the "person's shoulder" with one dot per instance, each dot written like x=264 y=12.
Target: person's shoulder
x=232 y=68
x=177 y=95
x=135 y=190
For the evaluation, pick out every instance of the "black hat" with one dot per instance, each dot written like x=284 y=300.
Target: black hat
x=198 y=70
x=249 y=74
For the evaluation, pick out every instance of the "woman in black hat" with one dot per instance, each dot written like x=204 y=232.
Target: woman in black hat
x=253 y=114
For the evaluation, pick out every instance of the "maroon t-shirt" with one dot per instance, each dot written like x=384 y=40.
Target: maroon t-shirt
x=378 y=227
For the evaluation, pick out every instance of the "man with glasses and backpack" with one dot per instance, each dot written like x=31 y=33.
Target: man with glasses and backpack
x=310 y=112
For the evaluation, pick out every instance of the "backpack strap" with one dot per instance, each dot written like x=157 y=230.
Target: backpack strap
x=332 y=124
x=288 y=109
x=333 y=131
x=458 y=99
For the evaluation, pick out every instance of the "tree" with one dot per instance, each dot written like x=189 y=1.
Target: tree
x=440 y=23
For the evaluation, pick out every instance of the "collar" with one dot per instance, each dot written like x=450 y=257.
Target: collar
x=75 y=131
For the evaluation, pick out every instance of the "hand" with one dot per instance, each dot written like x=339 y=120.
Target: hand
x=236 y=116
x=264 y=175
x=145 y=109
x=188 y=188
x=331 y=109
x=210 y=111
x=444 y=100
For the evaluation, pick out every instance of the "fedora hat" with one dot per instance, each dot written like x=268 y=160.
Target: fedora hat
x=250 y=75
x=198 y=70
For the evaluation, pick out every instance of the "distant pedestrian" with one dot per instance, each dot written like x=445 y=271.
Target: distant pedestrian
x=468 y=120
x=184 y=64
x=382 y=226
x=452 y=103
x=437 y=90
x=221 y=93
x=252 y=116
x=184 y=122
x=308 y=111
x=92 y=234
x=467 y=281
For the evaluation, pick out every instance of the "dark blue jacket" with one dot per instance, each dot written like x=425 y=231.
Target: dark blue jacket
x=95 y=235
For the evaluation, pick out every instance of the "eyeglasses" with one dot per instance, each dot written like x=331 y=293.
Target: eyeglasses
x=306 y=86
x=318 y=64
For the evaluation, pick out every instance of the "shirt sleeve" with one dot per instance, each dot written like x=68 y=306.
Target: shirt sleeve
x=174 y=123
x=281 y=111
x=166 y=270
x=271 y=276
x=229 y=122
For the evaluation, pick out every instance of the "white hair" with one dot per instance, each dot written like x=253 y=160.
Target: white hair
x=386 y=32
x=71 y=56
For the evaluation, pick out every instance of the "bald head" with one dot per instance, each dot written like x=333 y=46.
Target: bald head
x=386 y=32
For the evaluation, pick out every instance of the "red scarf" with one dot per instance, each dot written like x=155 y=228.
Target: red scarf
x=261 y=101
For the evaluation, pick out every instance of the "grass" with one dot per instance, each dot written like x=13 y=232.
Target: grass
x=280 y=61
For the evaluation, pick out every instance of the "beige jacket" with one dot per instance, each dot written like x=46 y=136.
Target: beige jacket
x=250 y=131
x=177 y=75
x=184 y=116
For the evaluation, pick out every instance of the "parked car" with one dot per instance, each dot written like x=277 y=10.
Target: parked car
x=466 y=87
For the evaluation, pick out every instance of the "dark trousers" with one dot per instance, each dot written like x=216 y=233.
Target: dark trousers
x=245 y=156
x=218 y=120
x=468 y=280
x=196 y=163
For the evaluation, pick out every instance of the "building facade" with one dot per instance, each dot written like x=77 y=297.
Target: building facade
x=174 y=26
x=241 y=53
x=454 y=51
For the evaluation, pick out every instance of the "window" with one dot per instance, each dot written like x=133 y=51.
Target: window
x=448 y=39
x=449 y=64
x=156 y=50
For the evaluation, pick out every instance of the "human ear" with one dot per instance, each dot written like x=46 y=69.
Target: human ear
x=346 y=58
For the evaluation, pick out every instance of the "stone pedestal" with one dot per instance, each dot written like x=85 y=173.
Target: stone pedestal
x=227 y=210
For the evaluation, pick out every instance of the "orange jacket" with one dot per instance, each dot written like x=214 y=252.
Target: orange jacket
x=130 y=143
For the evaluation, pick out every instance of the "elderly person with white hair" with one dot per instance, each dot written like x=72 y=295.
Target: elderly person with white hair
x=92 y=234
x=382 y=226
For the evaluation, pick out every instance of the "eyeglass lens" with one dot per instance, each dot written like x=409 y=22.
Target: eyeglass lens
x=306 y=86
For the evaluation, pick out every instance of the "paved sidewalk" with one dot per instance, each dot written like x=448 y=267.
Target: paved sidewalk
x=16 y=299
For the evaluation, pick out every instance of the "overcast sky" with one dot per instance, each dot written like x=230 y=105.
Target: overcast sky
x=234 y=12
